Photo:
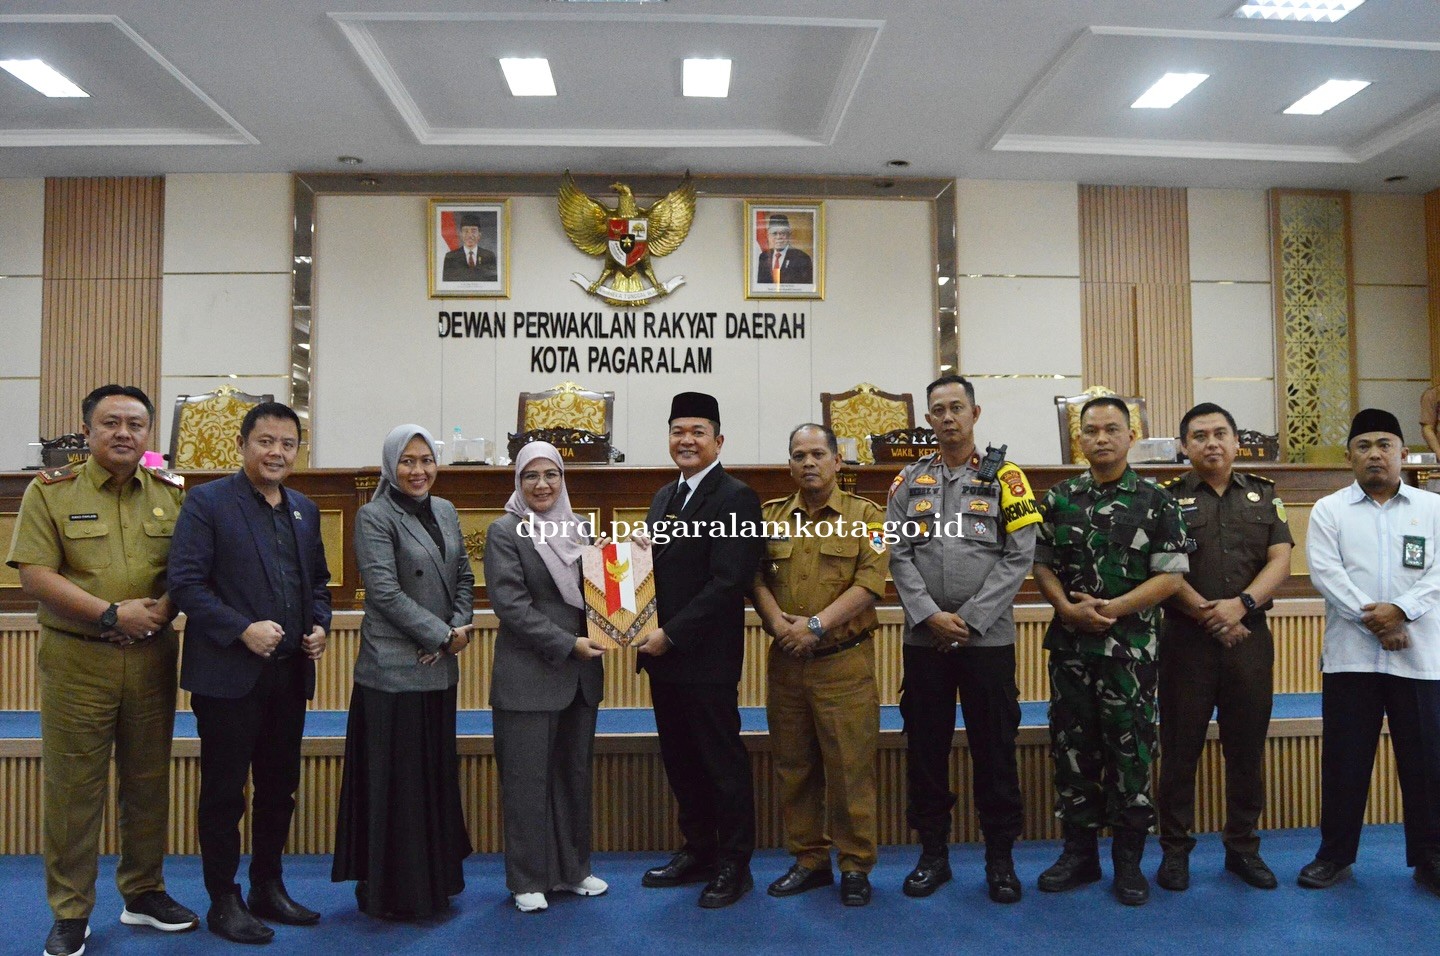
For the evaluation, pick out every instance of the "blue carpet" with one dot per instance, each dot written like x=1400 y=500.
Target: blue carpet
x=1378 y=906
x=23 y=725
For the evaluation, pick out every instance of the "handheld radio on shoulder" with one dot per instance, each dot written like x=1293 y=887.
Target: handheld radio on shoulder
x=990 y=464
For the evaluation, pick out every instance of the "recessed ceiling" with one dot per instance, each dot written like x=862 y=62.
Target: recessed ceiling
x=625 y=93
x=982 y=89
x=137 y=96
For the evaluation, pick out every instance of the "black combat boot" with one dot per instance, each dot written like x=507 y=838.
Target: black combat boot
x=1000 y=879
x=1079 y=862
x=933 y=870
x=1126 y=849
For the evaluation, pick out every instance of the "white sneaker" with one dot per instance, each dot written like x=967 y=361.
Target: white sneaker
x=530 y=902
x=590 y=886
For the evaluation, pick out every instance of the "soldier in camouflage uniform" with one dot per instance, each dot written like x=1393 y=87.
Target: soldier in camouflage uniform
x=1112 y=548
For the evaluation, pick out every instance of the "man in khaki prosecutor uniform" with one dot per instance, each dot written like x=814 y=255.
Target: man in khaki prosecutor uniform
x=91 y=543
x=815 y=593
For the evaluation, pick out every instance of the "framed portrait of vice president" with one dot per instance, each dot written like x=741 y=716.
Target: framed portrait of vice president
x=785 y=250
x=469 y=248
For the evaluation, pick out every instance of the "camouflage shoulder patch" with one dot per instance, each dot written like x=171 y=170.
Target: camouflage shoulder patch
x=169 y=477
x=56 y=475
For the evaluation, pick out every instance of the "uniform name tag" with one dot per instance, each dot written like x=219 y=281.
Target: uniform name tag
x=85 y=517
x=1413 y=553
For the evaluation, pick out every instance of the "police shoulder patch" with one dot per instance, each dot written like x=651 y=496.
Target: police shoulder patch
x=895 y=485
x=56 y=475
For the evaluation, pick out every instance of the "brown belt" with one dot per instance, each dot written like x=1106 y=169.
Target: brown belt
x=843 y=645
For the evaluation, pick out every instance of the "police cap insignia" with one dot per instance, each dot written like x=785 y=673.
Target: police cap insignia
x=923 y=506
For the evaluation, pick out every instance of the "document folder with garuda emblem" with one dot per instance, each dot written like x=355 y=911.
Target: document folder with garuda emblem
x=619 y=593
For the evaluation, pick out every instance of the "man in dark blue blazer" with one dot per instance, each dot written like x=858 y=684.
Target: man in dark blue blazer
x=247 y=566
x=694 y=658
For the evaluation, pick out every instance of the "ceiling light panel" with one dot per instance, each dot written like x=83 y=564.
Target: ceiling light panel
x=528 y=76
x=1326 y=97
x=707 y=78
x=43 y=77
x=1169 y=90
x=1314 y=11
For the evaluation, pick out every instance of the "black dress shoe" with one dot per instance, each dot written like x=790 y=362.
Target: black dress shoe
x=684 y=868
x=1000 y=879
x=931 y=873
x=732 y=881
x=799 y=878
x=1250 y=868
x=1321 y=874
x=268 y=900
x=854 y=888
x=1174 y=871
x=67 y=937
x=228 y=918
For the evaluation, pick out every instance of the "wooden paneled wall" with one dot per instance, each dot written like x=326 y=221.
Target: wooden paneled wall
x=1298 y=625
x=1432 y=264
x=1135 y=297
x=100 y=311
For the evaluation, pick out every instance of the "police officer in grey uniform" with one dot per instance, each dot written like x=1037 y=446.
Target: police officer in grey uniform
x=966 y=528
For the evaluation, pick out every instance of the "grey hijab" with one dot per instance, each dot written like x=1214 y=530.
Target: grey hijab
x=395 y=443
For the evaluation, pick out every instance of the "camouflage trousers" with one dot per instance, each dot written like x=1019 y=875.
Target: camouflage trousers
x=1103 y=740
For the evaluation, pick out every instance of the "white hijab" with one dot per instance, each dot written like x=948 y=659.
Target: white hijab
x=562 y=545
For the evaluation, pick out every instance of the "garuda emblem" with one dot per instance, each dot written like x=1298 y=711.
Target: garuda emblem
x=627 y=236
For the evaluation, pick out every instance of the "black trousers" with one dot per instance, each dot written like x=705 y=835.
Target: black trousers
x=1352 y=705
x=258 y=734
x=708 y=767
x=1198 y=677
x=984 y=677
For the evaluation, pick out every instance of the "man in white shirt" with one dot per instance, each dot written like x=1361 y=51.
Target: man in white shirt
x=1371 y=547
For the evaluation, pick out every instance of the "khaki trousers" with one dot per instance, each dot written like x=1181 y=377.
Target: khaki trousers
x=95 y=697
x=824 y=717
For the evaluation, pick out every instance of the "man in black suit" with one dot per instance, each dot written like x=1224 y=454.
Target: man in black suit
x=782 y=263
x=472 y=262
x=247 y=566
x=702 y=574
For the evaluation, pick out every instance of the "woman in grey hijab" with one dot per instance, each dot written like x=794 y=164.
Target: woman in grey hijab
x=545 y=686
x=401 y=831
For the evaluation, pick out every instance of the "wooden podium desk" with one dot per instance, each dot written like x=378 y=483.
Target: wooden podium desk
x=612 y=493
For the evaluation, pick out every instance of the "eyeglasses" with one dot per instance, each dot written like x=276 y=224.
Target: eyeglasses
x=536 y=477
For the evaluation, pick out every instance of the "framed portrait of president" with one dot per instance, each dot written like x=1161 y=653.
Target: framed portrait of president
x=469 y=248
x=785 y=250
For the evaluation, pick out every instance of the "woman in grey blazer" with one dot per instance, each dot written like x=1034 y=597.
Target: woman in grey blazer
x=545 y=686
x=401 y=831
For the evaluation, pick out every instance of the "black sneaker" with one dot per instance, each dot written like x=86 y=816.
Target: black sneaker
x=157 y=910
x=67 y=937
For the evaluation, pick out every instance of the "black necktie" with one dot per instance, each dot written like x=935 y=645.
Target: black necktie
x=677 y=503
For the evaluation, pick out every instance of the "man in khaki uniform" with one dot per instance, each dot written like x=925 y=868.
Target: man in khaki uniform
x=91 y=543
x=815 y=593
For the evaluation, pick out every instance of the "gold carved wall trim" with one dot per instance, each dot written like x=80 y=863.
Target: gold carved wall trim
x=1314 y=287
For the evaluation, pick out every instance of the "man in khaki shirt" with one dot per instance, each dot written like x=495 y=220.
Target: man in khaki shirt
x=91 y=543
x=816 y=590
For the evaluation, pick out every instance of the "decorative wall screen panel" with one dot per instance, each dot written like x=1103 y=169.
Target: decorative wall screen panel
x=1314 y=304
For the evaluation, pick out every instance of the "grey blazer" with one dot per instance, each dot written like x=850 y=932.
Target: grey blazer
x=413 y=596
x=534 y=667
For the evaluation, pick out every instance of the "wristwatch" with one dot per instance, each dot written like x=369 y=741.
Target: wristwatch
x=111 y=617
x=816 y=627
x=1248 y=601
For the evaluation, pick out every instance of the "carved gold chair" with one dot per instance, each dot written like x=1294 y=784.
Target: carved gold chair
x=202 y=435
x=1067 y=415
x=864 y=411
x=568 y=416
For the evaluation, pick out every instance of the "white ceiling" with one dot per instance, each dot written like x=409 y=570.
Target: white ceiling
x=985 y=89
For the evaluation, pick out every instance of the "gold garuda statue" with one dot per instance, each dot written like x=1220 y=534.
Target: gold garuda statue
x=627 y=236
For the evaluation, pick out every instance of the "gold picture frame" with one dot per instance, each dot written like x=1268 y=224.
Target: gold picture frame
x=458 y=271
x=792 y=267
